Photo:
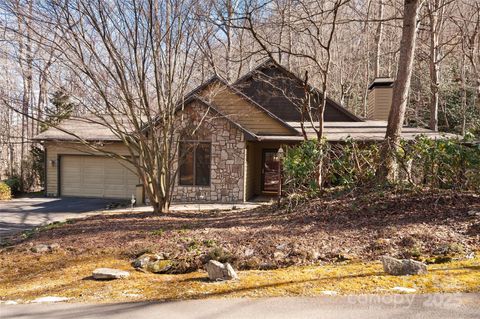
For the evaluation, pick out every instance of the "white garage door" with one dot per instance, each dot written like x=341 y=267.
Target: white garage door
x=96 y=176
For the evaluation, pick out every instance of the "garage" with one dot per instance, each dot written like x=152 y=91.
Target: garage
x=96 y=176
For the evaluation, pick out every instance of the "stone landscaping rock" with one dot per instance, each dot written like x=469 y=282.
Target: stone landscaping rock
x=218 y=271
x=160 y=266
x=404 y=289
x=44 y=248
x=473 y=213
x=313 y=255
x=156 y=263
x=248 y=252
x=402 y=267
x=278 y=255
x=109 y=273
x=50 y=299
x=41 y=248
x=329 y=292
x=54 y=246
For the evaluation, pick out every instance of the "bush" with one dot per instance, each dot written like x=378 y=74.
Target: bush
x=424 y=162
x=5 y=191
x=14 y=184
x=351 y=163
x=300 y=167
x=446 y=163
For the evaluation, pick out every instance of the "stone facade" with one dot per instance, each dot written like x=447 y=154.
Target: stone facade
x=227 y=160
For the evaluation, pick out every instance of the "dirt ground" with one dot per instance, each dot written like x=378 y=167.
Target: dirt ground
x=322 y=245
x=421 y=225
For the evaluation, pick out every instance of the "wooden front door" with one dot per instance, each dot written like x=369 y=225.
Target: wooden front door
x=270 y=171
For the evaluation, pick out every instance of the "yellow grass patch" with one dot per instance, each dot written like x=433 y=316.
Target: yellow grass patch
x=25 y=276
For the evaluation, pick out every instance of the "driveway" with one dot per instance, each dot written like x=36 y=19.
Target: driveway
x=24 y=213
x=440 y=306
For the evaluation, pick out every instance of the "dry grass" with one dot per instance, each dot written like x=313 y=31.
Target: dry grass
x=25 y=276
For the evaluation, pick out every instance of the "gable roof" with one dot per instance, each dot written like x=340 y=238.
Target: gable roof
x=246 y=92
x=281 y=91
x=250 y=135
x=246 y=112
x=77 y=128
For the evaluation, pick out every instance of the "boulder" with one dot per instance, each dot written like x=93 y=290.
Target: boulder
x=41 y=248
x=161 y=266
x=156 y=263
x=219 y=271
x=109 y=273
x=402 y=267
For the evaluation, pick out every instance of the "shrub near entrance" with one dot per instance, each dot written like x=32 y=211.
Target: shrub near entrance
x=5 y=191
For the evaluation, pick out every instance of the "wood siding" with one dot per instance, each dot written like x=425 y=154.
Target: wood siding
x=243 y=112
x=379 y=103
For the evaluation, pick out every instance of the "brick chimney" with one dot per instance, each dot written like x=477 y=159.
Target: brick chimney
x=380 y=99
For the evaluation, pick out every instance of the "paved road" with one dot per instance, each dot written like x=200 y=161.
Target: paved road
x=23 y=213
x=357 y=307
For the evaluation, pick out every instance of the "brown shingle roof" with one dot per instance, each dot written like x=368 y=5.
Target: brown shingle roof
x=80 y=128
x=363 y=131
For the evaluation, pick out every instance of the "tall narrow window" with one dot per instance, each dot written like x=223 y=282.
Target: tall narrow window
x=195 y=163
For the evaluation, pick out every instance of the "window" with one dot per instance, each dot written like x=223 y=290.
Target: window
x=195 y=163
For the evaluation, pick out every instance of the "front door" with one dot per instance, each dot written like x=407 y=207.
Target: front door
x=270 y=171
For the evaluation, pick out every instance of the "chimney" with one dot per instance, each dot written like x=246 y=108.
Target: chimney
x=380 y=99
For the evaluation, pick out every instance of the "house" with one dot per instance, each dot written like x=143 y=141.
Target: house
x=235 y=154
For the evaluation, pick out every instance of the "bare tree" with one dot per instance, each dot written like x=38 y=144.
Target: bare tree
x=131 y=61
x=468 y=24
x=387 y=168
x=314 y=26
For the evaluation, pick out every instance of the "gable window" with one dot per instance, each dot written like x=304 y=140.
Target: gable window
x=195 y=163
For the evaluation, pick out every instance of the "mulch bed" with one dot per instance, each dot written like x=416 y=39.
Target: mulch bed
x=332 y=228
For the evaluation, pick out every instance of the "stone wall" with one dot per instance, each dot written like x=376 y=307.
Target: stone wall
x=227 y=160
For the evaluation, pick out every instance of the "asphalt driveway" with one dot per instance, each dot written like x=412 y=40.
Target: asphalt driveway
x=24 y=213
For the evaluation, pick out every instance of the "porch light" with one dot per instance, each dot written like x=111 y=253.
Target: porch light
x=52 y=163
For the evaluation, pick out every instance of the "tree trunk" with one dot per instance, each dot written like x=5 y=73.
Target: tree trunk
x=387 y=168
x=463 y=97
x=434 y=61
x=378 y=39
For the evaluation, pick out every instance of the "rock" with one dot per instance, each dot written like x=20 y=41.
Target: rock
x=404 y=289
x=473 y=213
x=41 y=248
x=281 y=246
x=313 y=255
x=156 y=263
x=248 y=252
x=160 y=266
x=218 y=271
x=54 y=246
x=401 y=267
x=109 y=273
x=278 y=255
x=50 y=299
x=470 y=255
x=329 y=292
